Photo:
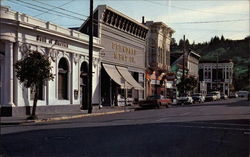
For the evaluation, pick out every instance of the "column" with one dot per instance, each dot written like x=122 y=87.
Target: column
x=8 y=77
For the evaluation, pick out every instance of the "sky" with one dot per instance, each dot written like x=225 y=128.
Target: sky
x=198 y=20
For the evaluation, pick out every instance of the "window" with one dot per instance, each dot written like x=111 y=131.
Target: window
x=63 y=79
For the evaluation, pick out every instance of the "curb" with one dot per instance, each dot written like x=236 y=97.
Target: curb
x=79 y=116
x=64 y=117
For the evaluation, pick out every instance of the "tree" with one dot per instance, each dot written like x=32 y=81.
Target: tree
x=189 y=83
x=32 y=71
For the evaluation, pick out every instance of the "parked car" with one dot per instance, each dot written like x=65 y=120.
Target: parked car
x=155 y=101
x=185 y=99
x=233 y=95
x=217 y=94
x=210 y=97
x=242 y=93
x=224 y=96
x=198 y=97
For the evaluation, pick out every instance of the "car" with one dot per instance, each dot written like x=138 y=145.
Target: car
x=185 y=99
x=155 y=101
x=224 y=96
x=198 y=97
x=233 y=95
x=217 y=94
x=210 y=97
x=242 y=93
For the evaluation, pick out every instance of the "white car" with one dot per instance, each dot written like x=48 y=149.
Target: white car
x=185 y=99
x=217 y=94
x=210 y=97
x=198 y=97
x=242 y=93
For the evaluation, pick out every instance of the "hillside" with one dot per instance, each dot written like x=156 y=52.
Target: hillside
x=237 y=50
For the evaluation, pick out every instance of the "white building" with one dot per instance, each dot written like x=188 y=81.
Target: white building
x=218 y=76
x=68 y=51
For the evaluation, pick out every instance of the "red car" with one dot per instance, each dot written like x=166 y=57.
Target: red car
x=155 y=101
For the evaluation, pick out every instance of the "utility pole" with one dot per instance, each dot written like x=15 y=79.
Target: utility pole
x=183 y=64
x=217 y=60
x=90 y=57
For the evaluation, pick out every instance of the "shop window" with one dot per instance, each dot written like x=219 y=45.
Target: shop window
x=63 y=79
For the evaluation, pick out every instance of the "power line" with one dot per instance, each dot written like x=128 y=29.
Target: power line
x=55 y=7
x=59 y=7
x=49 y=10
x=30 y=7
x=201 y=11
x=217 y=21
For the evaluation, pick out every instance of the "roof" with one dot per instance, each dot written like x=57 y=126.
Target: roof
x=159 y=23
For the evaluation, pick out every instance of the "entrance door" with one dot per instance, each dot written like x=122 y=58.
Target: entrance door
x=83 y=86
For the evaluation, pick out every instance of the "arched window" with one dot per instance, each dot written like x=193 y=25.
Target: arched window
x=63 y=71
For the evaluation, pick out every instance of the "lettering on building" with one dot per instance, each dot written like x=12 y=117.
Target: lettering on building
x=44 y=39
x=124 y=53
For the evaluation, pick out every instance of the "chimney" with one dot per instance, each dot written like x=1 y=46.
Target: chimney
x=143 y=22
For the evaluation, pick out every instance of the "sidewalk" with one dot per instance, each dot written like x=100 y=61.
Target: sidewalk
x=69 y=115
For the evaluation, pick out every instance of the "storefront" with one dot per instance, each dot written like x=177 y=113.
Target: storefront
x=123 y=57
x=67 y=50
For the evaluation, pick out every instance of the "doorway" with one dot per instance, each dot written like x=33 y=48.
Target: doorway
x=84 y=86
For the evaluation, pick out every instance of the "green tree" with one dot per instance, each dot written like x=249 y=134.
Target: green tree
x=187 y=84
x=32 y=71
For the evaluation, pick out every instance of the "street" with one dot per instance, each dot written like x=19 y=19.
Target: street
x=211 y=129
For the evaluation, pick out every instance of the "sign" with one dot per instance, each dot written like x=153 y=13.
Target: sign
x=44 y=39
x=156 y=82
x=123 y=51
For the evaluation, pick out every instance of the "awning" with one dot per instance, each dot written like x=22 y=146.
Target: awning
x=115 y=75
x=129 y=78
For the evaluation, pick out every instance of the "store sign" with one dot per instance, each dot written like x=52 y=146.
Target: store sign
x=51 y=41
x=169 y=84
x=155 y=82
x=123 y=53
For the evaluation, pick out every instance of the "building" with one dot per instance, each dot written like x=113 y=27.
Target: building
x=191 y=65
x=123 y=57
x=68 y=51
x=218 y=76
x=158 y=57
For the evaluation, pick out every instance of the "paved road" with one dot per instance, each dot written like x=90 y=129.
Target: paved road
x=213 y=129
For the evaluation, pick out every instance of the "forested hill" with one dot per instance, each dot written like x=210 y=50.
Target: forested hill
x=237 y=50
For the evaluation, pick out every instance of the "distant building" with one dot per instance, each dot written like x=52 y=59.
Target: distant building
x=191 y=64
x=217 y=76
x=158 y=57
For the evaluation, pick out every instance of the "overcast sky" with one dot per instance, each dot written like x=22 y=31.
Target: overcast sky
x=199 y=20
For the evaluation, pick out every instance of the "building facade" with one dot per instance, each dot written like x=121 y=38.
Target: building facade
x=190 y=63
x=218 y=76
x=123 y=57
x=158 y=57
x=68 y=53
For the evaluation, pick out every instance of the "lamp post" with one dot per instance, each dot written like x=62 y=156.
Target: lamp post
x=183 y=65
